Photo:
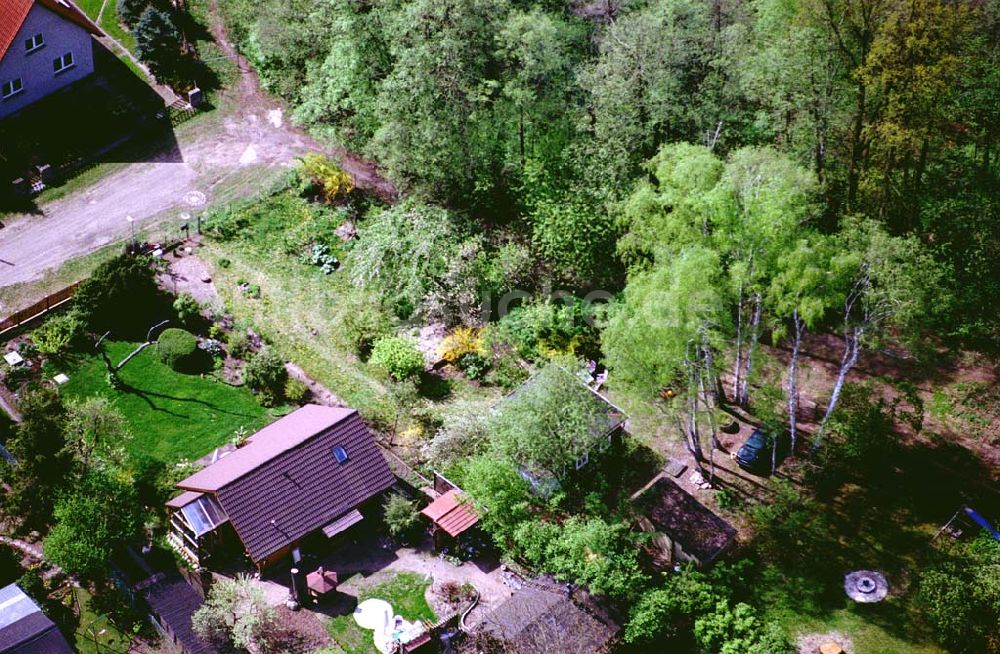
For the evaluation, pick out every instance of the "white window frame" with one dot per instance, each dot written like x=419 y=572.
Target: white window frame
x=10 y=84
x=583 y=460
x=62 y=62
x=34 y=43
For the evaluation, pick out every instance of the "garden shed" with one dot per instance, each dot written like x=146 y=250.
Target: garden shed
x=684 y=529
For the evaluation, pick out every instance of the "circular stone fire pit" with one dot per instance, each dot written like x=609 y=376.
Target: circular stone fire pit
x=866 y=586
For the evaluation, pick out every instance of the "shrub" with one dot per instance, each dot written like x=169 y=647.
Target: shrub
x=59 y=334
x=361 y=322
x=321 y=257
x=475 y=366
x=295 y=391
x=401 y=516
x=327 y=178
x=239 y=344
x=237 y=612
x=461 y=342
x=178 y=349
x=398 y=356
x=265 y=373
x=188 y=310
x=507 y=374
x=158 y=41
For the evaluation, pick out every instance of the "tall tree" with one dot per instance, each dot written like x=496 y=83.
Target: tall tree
x=893 y=283
x=42 y=464
x=804 y=289
x=538 y=51
x=92 y=521
x=666 y=332
x=436 y=136
x=771 y=200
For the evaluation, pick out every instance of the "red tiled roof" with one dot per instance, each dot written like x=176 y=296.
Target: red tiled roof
x=14 y=12
x=286 y=482
x=322 y=581
x=451 y=513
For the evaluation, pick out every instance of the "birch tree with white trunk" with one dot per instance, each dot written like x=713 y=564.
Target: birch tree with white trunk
x=893 y=284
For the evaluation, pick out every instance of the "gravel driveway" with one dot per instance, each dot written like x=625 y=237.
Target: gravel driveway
x=182 y=176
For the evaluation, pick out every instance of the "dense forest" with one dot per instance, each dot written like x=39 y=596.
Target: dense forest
x=548 y=119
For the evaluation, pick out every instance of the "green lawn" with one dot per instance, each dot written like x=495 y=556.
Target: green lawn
x=299 y=306
x=871 y=634
x=111 y=25
x=173 y=416
x=405 y=591
x=92 y=7
x=95 y=634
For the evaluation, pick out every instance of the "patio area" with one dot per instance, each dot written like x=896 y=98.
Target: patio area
x=371 y=559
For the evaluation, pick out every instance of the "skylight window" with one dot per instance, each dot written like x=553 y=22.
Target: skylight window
x=340 y=454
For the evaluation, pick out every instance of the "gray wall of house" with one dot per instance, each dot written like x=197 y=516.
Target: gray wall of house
x=35 y=68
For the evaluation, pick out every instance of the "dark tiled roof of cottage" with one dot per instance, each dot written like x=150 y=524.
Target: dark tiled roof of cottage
x=14 y=12
x=674 y=512
x=287 y=481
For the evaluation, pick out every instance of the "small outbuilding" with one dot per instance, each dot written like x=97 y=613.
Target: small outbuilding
x=685 y=530
x=545 y=616
x=451 y=515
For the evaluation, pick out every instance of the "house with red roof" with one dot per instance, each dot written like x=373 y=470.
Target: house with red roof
x=305 y=478
x=45 y=46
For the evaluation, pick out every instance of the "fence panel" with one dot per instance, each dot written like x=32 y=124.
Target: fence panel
x=37 y=309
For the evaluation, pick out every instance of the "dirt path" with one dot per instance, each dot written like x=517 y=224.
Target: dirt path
x=32 y=551
x=254 y=134
x=365 y=174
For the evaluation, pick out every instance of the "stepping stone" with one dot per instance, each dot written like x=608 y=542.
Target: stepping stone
x=60 y=379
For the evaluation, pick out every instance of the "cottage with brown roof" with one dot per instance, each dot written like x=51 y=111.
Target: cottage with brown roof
x=684 y=529
x=45 y=46
x=313 y=473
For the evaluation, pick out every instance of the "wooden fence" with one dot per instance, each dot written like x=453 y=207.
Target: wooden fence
x=37 y=309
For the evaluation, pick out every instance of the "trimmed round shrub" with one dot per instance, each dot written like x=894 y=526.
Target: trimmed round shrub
x=178 y=349
x=265 y=373
x=398 y=356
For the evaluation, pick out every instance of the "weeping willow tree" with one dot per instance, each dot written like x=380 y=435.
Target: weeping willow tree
x=662 y=341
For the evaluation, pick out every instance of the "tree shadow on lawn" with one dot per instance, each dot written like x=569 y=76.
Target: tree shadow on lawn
x=881 y=516
x=146 y=395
